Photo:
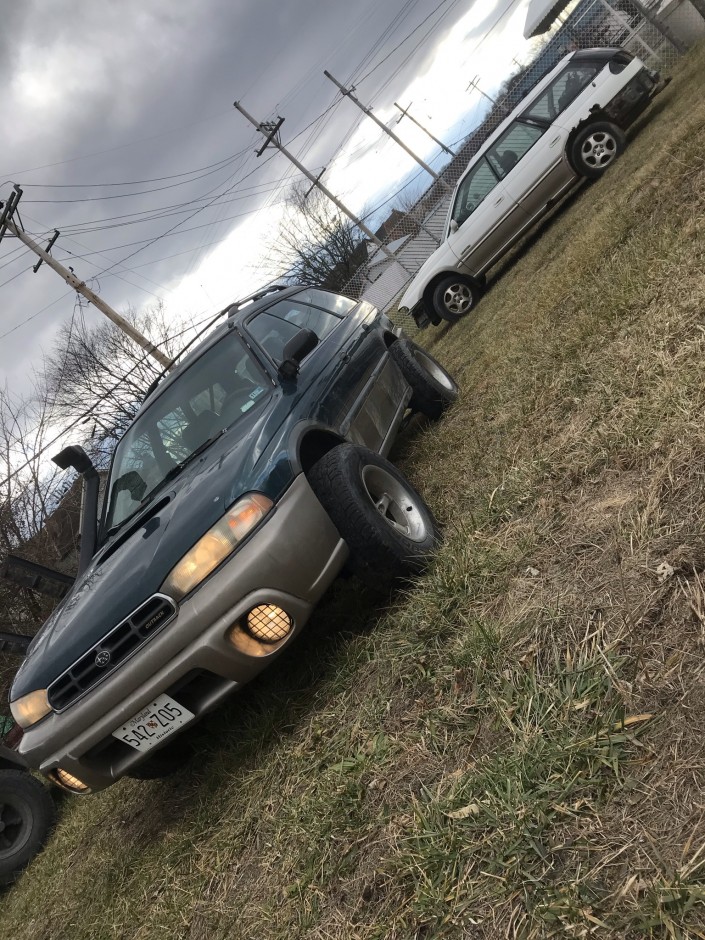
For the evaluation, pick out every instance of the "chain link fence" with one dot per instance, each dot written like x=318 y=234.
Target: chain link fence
x=658 y=35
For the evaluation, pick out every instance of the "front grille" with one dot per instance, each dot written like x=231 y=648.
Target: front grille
x=112 y=650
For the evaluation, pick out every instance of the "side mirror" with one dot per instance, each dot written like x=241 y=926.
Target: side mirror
x=453 y=226
x=296 y=349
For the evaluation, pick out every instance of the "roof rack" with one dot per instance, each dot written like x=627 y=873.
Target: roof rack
x=233 y=308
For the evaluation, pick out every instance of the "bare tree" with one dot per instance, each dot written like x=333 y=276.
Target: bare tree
x=95 y=369
x=31 y=485
x=31 y=489
x=317 y=244
x=101 y=367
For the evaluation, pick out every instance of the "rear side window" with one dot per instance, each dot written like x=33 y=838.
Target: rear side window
x=561 y=93
x=473 y=190
x=512 y=146
x=282 y=321
x=335 y=303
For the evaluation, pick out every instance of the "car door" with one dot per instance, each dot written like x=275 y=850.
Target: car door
x=541 y=132
x=484 y=215
x=342 y=378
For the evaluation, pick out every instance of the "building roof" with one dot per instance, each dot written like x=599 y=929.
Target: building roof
x=541 y=15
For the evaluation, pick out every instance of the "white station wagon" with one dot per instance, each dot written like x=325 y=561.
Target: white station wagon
x=570 y=126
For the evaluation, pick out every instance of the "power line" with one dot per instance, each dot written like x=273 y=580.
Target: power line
x=187 y=250
x=142 y=192
x=131 y=143
x=154 y=179
x=86 y=414
x=406 y=38
x=17 y=252
x=109 y=271
x=144 y=241
x=68 y=275
x=150 y=215
x=35 y=315
x=10 y=279
x=177 y=224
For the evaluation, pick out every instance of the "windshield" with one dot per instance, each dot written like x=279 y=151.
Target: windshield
x=222 y=385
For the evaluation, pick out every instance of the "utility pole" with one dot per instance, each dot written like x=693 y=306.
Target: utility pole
x=474 y=84
x=405 y=111
x=7 y=223
x=271 y=132
x=348 y=92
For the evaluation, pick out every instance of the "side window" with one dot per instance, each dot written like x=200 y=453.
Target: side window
x=473 y=190
x=512 y=146
x=561 y=92
x=336 y=303
x=282 y=321
x=272 y=334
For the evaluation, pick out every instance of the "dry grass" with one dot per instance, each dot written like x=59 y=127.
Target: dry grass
x=515 y=748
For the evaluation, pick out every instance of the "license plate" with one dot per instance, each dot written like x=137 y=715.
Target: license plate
x=153 y=723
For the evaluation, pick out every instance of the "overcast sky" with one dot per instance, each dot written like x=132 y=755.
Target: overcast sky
x=140 y=93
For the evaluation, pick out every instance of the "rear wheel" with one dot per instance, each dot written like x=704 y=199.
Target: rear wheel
x=433 y=388
x=596 y=147
x=26 y=817
x=390 y=531
x=454 y=297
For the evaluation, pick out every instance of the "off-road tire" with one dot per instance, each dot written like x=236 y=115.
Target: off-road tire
x=433 y=388
x=351 y=483
x=27 y=814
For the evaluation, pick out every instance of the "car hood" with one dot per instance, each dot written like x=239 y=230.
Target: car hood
x=442 y=259
x=132 y=565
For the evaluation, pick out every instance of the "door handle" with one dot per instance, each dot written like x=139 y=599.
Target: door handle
x=554 y=141
x=345 y=357
x=497 y=201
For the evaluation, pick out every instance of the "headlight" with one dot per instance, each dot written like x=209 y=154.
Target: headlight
x=215 y=546
x=30 y=708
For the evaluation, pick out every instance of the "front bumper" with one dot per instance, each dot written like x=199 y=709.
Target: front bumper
x=290 y=561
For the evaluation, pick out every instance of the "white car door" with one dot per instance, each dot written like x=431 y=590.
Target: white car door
x=482 y=212
x=541 y=133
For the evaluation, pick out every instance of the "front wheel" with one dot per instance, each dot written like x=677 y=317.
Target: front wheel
x=596 y=147
x=433 y=388
x=26 y=817
x=389 y=530
x=454 y=297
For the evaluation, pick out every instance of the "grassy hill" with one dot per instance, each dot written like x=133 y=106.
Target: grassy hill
x=515 y=748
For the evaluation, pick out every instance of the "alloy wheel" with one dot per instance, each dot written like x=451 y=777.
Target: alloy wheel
x=394 y=502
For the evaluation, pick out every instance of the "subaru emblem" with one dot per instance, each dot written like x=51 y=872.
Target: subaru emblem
x=102 y=658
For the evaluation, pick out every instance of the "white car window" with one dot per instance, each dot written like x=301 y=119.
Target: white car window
x=562 y=92
x=512 y=146
x=476 y=186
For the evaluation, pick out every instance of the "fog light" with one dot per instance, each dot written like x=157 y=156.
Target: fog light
x=268 y=623
x=69 y=782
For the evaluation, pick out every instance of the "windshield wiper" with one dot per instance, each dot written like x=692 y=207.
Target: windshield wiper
x=174 y=472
